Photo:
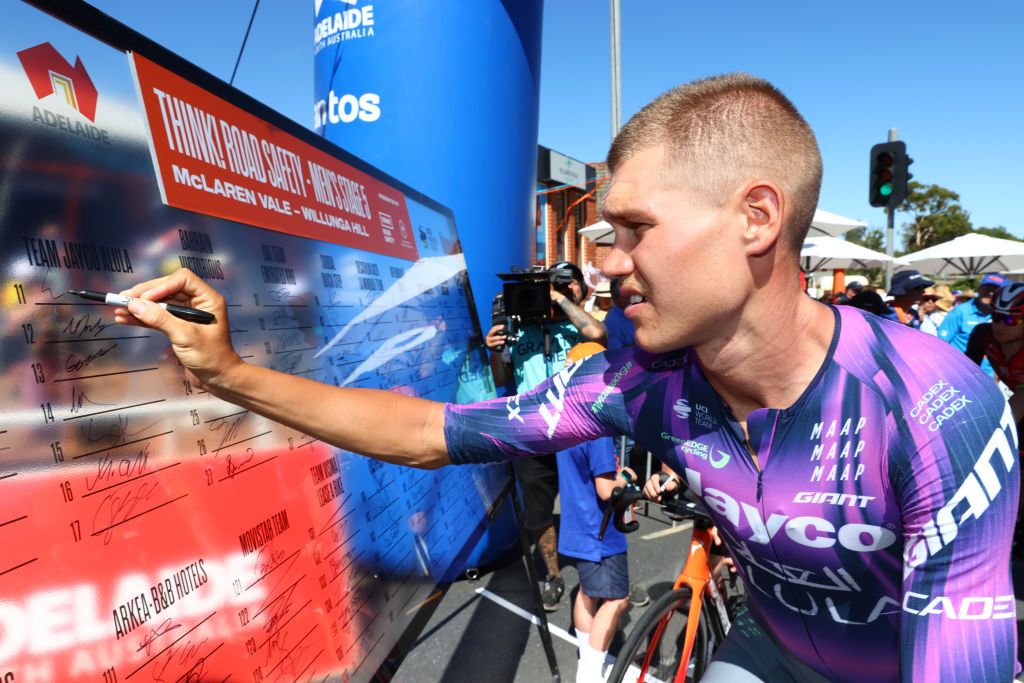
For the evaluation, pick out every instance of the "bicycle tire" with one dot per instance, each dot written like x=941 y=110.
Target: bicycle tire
x=672 y=608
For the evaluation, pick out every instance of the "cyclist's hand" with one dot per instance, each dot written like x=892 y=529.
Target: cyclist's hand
x=495 y=337
x=717 y=540
x=653 y=488
x=628 y=475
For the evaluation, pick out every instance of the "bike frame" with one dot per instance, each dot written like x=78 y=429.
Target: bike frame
x=696 y=574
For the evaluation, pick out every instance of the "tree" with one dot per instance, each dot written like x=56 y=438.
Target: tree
x=937 y=216
x=872 y=238
x=1000 y=232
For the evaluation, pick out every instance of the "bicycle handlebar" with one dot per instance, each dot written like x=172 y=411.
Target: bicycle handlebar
x=622 y=498
x=619 y=502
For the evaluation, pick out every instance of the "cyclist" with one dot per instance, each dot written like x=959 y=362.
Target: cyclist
x=863 y=475
x=1002 y=341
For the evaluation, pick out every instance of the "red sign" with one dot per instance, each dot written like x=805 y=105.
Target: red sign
x=47 y=71
x=213 y=158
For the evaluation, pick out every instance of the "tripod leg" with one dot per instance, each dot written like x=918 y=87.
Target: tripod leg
x=524 y=541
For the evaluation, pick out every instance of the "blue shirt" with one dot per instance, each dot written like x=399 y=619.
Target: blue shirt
x=528 y=361
x=621 y=331
x=956 y=328
x=581 y=509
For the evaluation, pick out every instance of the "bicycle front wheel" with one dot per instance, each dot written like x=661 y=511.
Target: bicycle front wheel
x=654 y=647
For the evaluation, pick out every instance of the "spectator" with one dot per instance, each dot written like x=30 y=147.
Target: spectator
x=871 y=301
x=621 y=331
x=907 y=288
x=602 y=300
x=961 y=321
x=854 y=288
x=539 y=353
x=587 y=475
x=934 y=307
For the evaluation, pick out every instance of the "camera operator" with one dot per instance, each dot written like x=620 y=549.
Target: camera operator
x=537 y=353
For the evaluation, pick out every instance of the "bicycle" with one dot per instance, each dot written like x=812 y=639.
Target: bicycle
x=660 y=644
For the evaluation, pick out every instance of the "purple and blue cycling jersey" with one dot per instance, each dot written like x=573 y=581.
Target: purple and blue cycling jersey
x=875 y=540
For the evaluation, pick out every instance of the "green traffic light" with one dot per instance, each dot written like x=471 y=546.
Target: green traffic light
x=885 y=190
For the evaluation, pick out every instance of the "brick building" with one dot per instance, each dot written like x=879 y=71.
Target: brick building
x=568 y=196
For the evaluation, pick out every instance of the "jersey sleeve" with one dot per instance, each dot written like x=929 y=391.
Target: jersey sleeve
x=579 y=403
x=957 y=485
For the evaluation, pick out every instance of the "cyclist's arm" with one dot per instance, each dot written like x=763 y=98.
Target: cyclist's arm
x=575 y=405
x=958 y=498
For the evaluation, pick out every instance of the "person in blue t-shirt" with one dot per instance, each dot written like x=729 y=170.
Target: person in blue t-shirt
x=958 y=324
x=587 y=475
x=621 y=332
x=538 y=353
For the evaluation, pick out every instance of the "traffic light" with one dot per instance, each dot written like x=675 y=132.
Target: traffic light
x=889 y=174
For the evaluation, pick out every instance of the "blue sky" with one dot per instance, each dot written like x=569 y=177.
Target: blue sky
x=948 y=75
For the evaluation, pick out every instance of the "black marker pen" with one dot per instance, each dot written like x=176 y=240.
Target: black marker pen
x=193 y=315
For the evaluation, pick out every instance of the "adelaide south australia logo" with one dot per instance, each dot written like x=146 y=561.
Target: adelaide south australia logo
x=56 y=82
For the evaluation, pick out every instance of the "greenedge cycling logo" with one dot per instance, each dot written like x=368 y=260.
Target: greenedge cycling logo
x=721 y=461
x=599 y=403
x=700 y=450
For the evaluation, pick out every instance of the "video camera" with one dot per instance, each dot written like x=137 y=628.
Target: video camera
x=526 y=297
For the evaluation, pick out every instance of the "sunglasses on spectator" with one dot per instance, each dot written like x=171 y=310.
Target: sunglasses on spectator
x=1010 y=320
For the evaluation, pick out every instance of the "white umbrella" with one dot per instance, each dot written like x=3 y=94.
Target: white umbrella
x=967 y=255
x=825 y=223
x=825 y=253
x=600 y=232
x=832 y=224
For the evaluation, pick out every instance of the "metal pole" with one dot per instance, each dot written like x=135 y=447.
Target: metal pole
x=616 y=85
x=531 y=574
x=890 y=231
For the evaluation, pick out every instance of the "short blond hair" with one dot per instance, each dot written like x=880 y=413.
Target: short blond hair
x=723 y=130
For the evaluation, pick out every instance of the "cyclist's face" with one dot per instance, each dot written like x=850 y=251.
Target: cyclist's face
x=1007 y=328
x=681 y=271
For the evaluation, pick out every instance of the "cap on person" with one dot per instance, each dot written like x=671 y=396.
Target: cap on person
x=906 y=281
x=992 y=279
x=603 y=290
x=855 y=285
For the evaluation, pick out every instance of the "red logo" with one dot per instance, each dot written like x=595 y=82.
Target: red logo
x=50 y=73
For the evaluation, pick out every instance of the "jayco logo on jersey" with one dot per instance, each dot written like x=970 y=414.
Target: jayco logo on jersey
x=552 y=409
x=812 y=532
x=682 y=409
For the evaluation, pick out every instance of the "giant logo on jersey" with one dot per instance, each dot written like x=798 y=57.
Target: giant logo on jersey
x=974 y=496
